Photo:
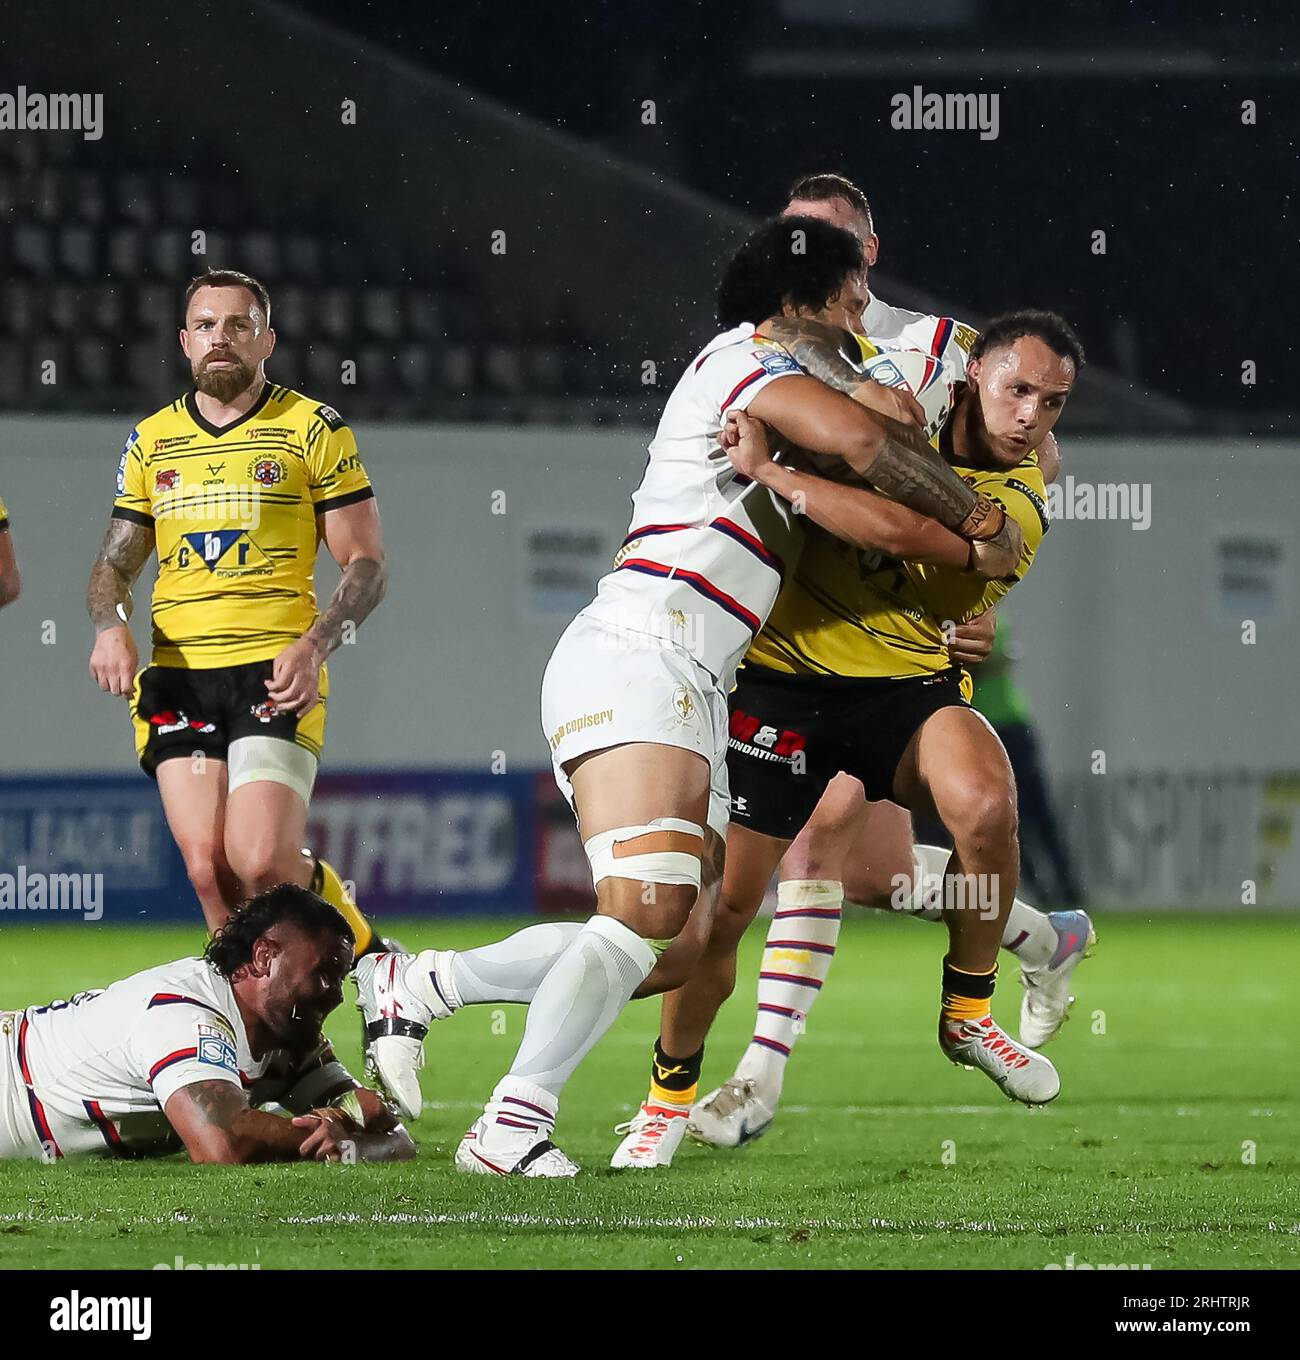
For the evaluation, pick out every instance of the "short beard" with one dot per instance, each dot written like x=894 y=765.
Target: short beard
x=224 y=384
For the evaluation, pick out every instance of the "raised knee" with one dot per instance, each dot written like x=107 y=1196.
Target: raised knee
x=983 y=813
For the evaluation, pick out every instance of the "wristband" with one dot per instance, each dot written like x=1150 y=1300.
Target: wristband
x=350 y=1105
x=985 y=520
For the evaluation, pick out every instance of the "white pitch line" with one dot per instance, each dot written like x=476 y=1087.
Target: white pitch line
x=628 y=1222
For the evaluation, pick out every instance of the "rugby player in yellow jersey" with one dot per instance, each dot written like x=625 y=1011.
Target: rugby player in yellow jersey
x=235 y=484
x=10 y=580
x=852 y=673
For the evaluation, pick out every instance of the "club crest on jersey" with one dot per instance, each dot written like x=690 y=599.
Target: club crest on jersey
x=264 y=711
x=683 y=704
x=776 y=361
x=267 y=471
x=166 y=479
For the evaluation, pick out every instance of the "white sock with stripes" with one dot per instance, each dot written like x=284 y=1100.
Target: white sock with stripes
x=1026 y=933
x=796 y=959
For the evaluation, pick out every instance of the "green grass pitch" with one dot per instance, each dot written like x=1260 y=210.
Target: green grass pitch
x=1173 y=1144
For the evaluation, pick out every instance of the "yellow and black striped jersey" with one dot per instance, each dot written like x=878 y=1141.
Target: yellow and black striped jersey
x=845 y=611
x=4 y=516
x=234 y=511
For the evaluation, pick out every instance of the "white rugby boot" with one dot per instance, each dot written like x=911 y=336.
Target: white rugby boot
x=731 y=1116
x=490 y=1148
x=396 y=1020
x=654 y=1134
x=1022 y=1074
x=1045 y=1006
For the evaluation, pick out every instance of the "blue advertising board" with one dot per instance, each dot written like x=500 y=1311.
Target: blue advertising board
x=426 y=842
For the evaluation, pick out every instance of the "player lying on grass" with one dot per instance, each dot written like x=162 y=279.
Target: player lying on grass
x=235 y=486
x=634 y=697
x=184 y=1054
x=852 y=674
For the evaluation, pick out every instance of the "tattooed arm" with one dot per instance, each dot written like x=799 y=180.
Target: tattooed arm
x=217 y=1124
x=353 y=536
x=898 y=461
x=127 y=547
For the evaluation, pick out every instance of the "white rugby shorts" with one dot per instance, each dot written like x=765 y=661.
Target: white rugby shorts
x=607 y=686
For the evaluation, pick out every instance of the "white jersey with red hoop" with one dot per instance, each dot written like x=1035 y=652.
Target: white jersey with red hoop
x=705 y=553
x=95 y=1072
x=943 y=337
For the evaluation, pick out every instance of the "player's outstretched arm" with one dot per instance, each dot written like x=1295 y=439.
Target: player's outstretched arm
x=127 y=547
x=217 y=1125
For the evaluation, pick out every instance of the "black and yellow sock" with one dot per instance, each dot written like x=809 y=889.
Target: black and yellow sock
x=326 y=883
x=966 y=996
x=675 y=1082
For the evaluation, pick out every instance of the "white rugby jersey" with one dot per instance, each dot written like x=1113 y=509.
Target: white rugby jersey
x=943 y=337
x=99 y=1068
x=707 y=548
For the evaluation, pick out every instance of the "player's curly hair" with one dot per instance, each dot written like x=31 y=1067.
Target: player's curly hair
x=800 y=260
x=232 y=946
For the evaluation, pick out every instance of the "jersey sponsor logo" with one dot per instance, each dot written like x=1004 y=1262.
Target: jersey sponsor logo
x=567 y=729
x=331 y=417
x=219 y=1026
x=1034 y=499
x=173 y=441
x=270 y=431
x=776 y=361
x=170 y=720
x=121 y=462
x=264 y=711
x=267 y=471
x=225 y=552
x=756 y=738
x=166 y=479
